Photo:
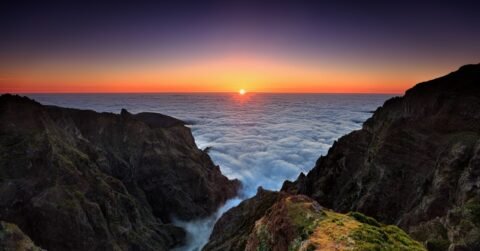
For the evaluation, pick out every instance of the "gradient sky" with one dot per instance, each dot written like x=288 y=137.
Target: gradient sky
x=272 y=46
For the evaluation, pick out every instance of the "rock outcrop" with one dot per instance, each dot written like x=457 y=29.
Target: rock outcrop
x=415 y=163
x=12 y=238
x=80 y=180
x=279 y=221
x=231 y=231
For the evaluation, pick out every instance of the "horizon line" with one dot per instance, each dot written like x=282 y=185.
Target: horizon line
x=212 y=92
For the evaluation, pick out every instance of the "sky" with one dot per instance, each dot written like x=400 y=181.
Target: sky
x=224 y=46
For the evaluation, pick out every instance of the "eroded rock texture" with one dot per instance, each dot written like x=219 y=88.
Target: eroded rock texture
x=279 y=221
x=80 y=180
x=415 y=163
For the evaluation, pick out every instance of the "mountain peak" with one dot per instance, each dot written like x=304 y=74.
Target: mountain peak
x=415 y=163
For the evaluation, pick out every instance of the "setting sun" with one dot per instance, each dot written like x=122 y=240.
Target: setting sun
x=242 y=92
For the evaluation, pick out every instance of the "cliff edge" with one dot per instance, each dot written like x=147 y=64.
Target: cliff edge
x=81 y=180
x=415 y=163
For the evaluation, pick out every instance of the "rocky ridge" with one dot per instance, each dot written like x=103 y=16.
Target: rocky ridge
x=80 y=180
x=280 y=221
x=414 y=164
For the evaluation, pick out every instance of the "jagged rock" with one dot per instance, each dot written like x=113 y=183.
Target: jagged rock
x=80 y=180
x=13 y=239
x=279 y=221
x=232 y=229
x=415 y=163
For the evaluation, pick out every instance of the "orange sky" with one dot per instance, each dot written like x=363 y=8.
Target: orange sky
x=223 y=73
x=278 y=46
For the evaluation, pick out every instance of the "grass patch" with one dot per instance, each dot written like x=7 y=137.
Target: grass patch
x=321 y=229
x=368 y=237
x=364 y=219
x=304 y=217
x=333 y=232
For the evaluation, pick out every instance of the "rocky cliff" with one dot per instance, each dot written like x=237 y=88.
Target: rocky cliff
x=415 y=163
x=280 y=221
x=12 y=238
x=80 y=180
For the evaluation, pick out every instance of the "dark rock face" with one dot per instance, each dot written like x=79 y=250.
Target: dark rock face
x=80 y=180
x=415 y=163
x=12 y=238
x=232 y=230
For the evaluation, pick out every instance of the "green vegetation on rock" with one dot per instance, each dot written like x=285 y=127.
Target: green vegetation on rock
x=299 y=223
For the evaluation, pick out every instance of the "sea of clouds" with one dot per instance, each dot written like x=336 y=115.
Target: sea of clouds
x=260 y=139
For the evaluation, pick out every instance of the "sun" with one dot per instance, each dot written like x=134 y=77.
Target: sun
x=242 y=91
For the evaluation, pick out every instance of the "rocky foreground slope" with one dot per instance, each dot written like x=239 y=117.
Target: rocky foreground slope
x=415 y=164
x=80 y=180
x=280 y=221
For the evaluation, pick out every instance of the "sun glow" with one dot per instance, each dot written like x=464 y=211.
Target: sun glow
x=242 y=91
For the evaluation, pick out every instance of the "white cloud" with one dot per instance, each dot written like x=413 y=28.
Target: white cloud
x=262 y=142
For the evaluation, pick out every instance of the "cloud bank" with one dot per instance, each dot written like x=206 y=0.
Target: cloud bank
x=261 y=139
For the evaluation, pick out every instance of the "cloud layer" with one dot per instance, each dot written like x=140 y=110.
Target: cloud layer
x=260 y=139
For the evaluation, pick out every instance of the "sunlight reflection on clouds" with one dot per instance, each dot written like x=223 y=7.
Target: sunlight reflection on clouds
x=261 y=139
